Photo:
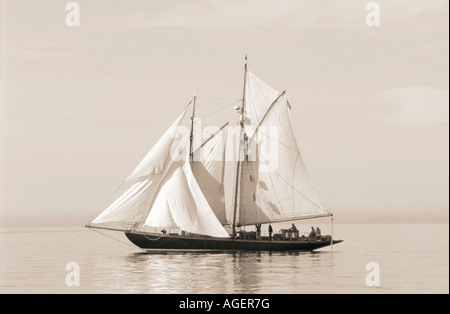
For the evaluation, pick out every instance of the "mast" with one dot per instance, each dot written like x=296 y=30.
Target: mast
x=191 y=143
x=241 y=148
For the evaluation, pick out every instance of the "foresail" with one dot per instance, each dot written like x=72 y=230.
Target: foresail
x=157 y=158
x=274 y=184
x=180 y=203
x=130 y=207
x=163 y=192
x=139 y=189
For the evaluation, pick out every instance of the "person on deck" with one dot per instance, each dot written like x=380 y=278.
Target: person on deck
x=312 y=234
x=318 y=232
x=293 y=232
x=270 y=232
x=258 y=231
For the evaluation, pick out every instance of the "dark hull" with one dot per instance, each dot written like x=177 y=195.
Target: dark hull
x=159 y=242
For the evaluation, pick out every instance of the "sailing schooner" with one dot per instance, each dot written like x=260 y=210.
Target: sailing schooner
x=177 y=186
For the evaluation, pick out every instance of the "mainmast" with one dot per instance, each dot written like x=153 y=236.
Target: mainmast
x=242 y=144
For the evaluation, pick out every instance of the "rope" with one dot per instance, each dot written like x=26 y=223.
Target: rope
x=221 y=109
x=113 y=238
x=105 y=203
x=273 y=139
x=151 y=239
x=143 y=233
x=223 y=90
x=219 y=98
x=332 y=231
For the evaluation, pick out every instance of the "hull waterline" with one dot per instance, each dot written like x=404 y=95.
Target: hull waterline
x=157 y=242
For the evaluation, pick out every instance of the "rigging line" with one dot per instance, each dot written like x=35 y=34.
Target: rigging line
x=293 y=177
x=185 y=107
x=267 y=113
x=221 y=109
x=211 y=137
x=281 y=143
x=99 y=211
x=220 y=98
x=113 y=238
x=229 y=83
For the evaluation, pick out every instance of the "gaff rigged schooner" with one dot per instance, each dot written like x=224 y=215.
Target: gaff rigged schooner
x=177 y=187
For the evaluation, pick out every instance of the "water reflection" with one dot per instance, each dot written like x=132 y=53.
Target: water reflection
x=34 y=262
x=219 y=272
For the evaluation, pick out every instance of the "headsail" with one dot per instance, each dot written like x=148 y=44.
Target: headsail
x=163 y=192
x=274 y=184
x=180 y=203
x=138 y=190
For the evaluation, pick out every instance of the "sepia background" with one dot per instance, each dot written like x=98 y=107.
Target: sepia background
x=81 y=106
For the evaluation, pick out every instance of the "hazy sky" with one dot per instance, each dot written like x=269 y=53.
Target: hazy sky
x=81 y=106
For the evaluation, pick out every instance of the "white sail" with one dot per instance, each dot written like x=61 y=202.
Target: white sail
x=163 y=191
x=138 y=190
x=258 y=98
x=208 y=166
x=274 y=184
x=181 y=204
x=157 y=158
x=129 y=207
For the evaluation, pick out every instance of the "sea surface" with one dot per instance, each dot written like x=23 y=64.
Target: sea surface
x=412 y=258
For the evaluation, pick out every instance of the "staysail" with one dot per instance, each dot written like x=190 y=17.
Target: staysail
x=138 y=190
x=180 y=203
x=274 y=184
x=208 y=166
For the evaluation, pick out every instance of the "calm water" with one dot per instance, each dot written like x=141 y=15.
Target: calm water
x=412 y=259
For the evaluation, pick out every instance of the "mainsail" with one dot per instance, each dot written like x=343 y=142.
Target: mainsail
x=273 y=182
